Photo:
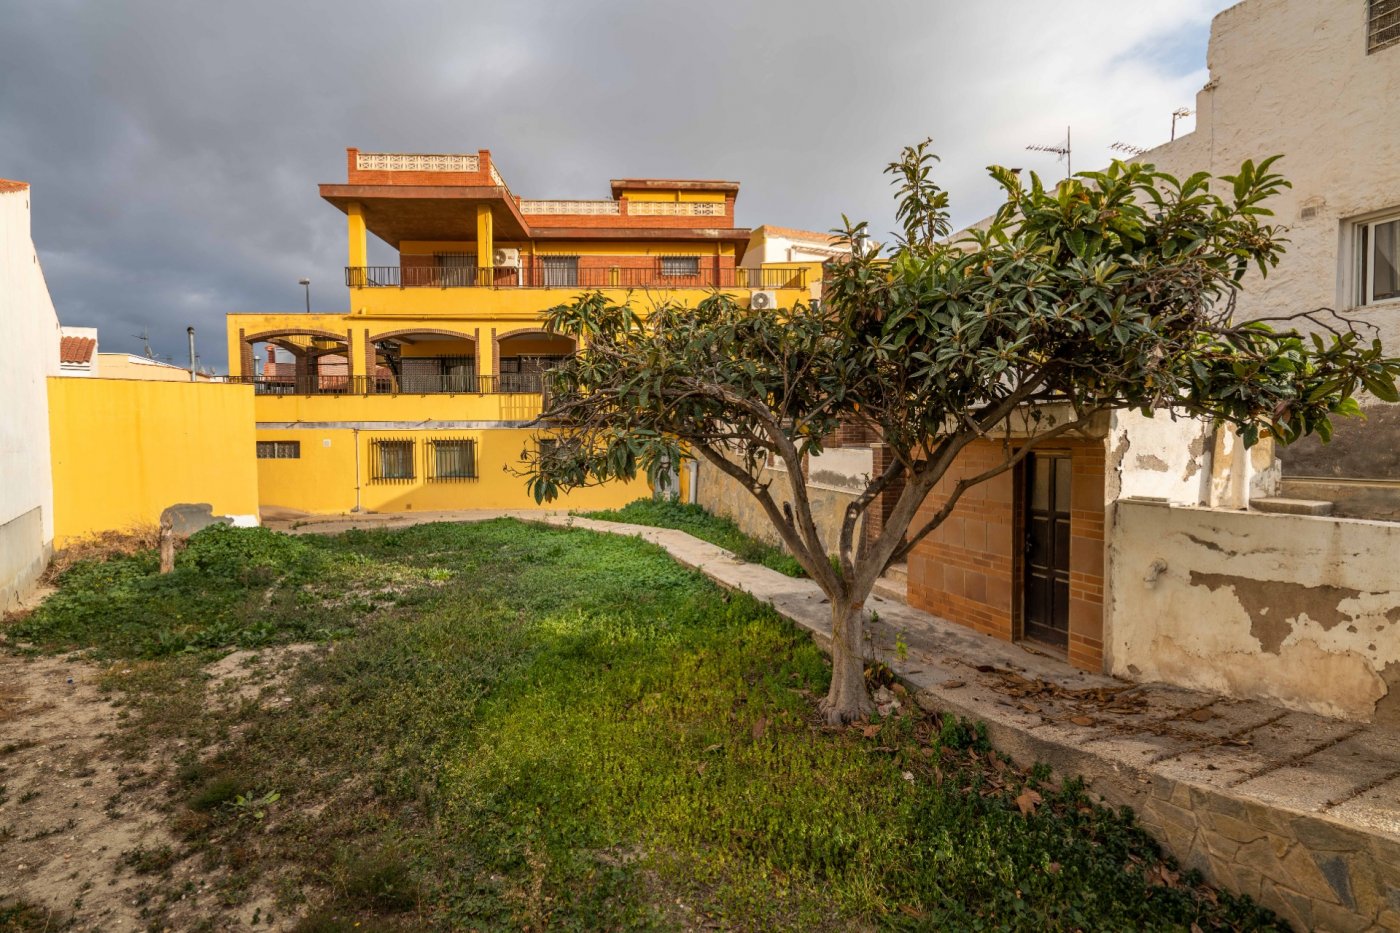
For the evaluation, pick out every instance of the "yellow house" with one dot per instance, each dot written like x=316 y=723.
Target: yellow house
x=423 y=392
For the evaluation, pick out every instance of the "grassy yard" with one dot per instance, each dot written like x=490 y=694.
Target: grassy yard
x=706 y=526
x=522 y=727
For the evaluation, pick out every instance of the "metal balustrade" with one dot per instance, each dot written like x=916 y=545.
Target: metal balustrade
x=536 y=274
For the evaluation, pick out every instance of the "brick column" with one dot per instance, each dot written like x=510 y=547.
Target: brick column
x=245 y=356
x=879 y=510
x=370 y=362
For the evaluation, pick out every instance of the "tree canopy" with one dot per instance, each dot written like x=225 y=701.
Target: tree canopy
x=1112 y=290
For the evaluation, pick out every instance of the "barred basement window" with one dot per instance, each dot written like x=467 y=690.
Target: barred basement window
x=1382 y=25
x=451 y=459
x=680 y=265
x=391 y=461
x=279 y=450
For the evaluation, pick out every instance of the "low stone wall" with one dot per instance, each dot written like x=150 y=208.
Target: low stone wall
x=722 y=495
x=1298 y=610
x=1317 y=873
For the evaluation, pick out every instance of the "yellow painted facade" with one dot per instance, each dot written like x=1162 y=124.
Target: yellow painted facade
x=344 y=381
x=123 y=450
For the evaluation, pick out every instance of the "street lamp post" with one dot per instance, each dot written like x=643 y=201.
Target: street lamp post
x=306 y=284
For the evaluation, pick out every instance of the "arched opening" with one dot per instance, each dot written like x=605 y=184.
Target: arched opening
x=523 y=357
x=299 y=362
x=425 y=362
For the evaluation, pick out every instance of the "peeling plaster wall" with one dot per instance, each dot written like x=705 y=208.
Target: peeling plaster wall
x=1293 y=77
x=1298 y=610
x=1158 y=458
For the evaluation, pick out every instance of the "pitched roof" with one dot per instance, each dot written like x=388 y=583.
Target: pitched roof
x=76 y=349
x=7 y=185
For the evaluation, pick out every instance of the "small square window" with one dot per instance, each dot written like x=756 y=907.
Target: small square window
x=279 y=450
x=677 y=266
x=1378 y=266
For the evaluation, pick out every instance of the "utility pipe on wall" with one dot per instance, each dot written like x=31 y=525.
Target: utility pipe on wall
x=190 y=332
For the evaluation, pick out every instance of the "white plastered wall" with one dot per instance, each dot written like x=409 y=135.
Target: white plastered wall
x=28 y=355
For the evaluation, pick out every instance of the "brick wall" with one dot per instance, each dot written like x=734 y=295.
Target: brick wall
x=969 y=569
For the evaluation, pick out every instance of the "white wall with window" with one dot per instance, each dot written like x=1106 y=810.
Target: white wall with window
x=1316 y=81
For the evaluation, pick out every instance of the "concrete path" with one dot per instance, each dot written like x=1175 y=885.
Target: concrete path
x=1299 y=811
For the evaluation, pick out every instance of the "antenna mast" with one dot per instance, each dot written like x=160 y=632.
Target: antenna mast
x=1063 y=150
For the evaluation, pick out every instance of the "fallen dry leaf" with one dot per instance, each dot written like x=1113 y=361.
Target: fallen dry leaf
x=952 y=684
x=1202 y=715
x=760 y=726
x=870 y=731
x=1082 y=720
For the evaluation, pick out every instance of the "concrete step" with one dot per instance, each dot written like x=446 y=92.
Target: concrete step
x=895 y=583
x=1291 y=506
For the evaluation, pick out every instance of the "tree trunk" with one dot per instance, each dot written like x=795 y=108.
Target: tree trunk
x=167 y=545
x=848 y=699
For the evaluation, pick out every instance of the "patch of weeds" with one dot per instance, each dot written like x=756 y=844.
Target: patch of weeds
x=21 y=916
x=218 y=791
x=697 y=521
x=145 y=861
x=381 y=880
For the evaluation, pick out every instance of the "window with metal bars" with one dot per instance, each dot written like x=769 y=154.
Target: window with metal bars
x=676 y=266
x=279 y=450
x=1382 y=25
x=451 y=459
x=391 y=461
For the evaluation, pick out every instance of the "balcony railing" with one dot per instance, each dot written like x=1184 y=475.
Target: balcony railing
x=537 y=275
x=503 y=384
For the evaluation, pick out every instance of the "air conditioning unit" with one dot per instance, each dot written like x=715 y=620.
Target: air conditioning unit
x=506 y=259
x=763 y=301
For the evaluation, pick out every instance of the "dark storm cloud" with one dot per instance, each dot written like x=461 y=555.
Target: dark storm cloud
x=175 y=147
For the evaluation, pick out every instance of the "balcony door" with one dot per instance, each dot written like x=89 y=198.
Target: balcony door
x=1045 y=603
x=559 y=271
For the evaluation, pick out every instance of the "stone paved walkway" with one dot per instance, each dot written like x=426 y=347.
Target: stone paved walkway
x=1299 y=811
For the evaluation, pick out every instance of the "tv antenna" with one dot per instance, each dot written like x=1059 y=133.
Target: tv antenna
x=1128 y=149
x=1062 y=150
x=145 y=339
x=1178 y=114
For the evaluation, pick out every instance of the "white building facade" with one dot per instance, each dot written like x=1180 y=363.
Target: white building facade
x=29 y=338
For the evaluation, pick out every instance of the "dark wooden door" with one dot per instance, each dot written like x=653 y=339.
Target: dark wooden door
x=1046 y=601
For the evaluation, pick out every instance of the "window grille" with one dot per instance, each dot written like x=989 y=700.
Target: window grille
x=675 y=266
x=451 y=459
x=1382 y=25
x=391 y=461
x=279 y=450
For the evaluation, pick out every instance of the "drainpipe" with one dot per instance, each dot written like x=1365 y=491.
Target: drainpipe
x=355 y=433
x=190 y=332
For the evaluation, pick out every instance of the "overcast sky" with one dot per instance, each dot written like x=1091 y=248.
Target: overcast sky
x=174 y=148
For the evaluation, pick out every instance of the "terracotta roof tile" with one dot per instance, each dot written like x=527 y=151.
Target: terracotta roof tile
x=7 y=185
x=76 y=349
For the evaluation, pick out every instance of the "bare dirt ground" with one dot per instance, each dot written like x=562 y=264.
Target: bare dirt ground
x=85 y=835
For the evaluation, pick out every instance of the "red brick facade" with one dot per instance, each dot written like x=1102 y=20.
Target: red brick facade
x=970 y=569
